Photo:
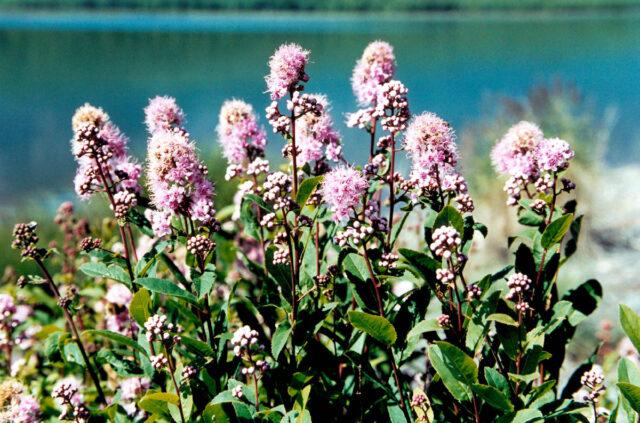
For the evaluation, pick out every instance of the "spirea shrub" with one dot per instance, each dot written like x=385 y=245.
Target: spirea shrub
x=301 y=301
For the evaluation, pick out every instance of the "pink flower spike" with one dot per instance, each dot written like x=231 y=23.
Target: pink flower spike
x=163 y=113
x=286 y=70
x=342 y=190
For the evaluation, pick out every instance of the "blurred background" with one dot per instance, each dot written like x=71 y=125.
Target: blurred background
x=572 y=66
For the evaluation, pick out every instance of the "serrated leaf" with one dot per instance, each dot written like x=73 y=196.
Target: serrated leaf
x=157 y=402
x=505 y=319
x=279 y=339
x=115 y=337
x=630 y=322
x=428 y=325
x=449 y=216
x=306 y=188
x=163 y=286
x=556 y=230
x=631 y=393
x=101 y=270
x=457 y=370
x=196 y=346
x=140 y=306
x=204 y=283
x=376 y=326
x=493 y=397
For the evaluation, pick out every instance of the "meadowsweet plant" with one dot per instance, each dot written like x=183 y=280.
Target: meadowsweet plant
x=302 y=300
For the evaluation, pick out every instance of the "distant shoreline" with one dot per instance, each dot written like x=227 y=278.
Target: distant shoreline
x=285 y=20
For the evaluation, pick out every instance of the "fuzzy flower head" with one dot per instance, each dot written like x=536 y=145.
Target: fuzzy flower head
x=162 y=114
x=286 y=70
x=100 y=149
x=554 y=154
x=238 y=132
x=342 y=190
x=376 y=67
x=316 y=136
x=515 y=154
x=88 y=114
x=430 y=140
x=177 y=179
x=119 y=294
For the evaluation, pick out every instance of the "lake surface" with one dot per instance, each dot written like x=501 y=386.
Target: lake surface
x=52 y=63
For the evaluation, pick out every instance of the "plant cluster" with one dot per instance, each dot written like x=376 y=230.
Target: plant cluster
x=301 y=300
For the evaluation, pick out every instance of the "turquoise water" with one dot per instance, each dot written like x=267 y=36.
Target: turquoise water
x=51 y=63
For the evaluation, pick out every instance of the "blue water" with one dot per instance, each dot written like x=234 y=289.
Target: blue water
x=51 y=63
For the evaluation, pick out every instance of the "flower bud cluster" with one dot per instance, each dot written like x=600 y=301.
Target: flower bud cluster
x=519 y=286
x=389 y=260
x=237 y=392
x=269 y=221
x=301 y=104
x=245 y=345
x=445 y=241
x=159 y=361
x=88 y=244
x=444 y=321
x=276 y=190
x=392 y=106
x=592 y=382
x=200 y=245
x=25 y=239
x=356 y=233
x=474 y=292
x=445 y=276
x=123 y=201
x=67 y=393
x=189 y=372
x=372 y=212
x=158 y=329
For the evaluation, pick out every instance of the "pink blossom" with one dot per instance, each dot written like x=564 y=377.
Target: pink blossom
x=515 y=153
x=160 y=221
x=23 y=409
x=342 y=190
x=375 y=67
x=116 y=164
x=287 y=69
x=239 y=133
x=163 y=113
x=553 y=154
x=316 y=136
x=119 y=294
x=430 y=141
x=177 y=179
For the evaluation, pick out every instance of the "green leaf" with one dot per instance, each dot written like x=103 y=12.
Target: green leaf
x=115 y=337
x=631 y=393
x=493 y=397
x=527 y=415
x=197 y=346
x=449 y=216
x=157 y=402
x=428 y=325
x=630 y=322
x=556 y=230
x=204 y=284
x=505 y=319
x=376 y=326
x=357 y=266
x=100 y=270
x=457 y=370
x=306 y=188
x=279 y=339
x=140 y=305
x=163 y=286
